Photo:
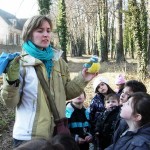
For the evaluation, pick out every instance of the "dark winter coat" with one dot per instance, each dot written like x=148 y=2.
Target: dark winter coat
x=121 y=127
x=139 y=140
x=96 y=107
x=78 y=123
x=106 y=124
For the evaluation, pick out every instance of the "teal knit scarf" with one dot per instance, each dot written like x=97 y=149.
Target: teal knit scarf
x=45 y=55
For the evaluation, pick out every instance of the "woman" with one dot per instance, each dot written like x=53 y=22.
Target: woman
x=22 y=88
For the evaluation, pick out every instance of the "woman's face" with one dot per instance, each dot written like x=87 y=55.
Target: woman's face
x=41 y=35
x=102 y=88
x=125 y=94
x=126 y=110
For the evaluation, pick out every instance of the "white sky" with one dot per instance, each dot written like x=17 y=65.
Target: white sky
x=20 y=8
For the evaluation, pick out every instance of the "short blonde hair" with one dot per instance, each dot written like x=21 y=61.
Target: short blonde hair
x=33 y=23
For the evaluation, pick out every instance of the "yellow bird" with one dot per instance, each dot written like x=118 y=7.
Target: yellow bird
x=93 y=65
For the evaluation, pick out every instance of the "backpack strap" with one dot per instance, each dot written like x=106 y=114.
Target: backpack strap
x=45 y=87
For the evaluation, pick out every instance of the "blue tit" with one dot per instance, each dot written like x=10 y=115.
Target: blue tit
x=93 y=65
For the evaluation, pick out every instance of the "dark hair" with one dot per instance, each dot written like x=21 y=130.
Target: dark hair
x=50 y=146
x=66 y=140
x=35 y=144
x=141 y=105
x=114 y=96
x=136 y=86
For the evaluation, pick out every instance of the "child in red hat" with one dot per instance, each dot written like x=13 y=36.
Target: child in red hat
x=120 y=82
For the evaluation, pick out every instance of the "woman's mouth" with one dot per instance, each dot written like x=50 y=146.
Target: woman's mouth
x=45 y=41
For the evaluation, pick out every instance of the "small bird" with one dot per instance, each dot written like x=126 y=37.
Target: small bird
x=93 y=65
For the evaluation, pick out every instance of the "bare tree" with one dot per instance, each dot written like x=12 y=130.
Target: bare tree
x=119 y=32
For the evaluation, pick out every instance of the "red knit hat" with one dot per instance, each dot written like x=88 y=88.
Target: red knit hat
x=120 y=79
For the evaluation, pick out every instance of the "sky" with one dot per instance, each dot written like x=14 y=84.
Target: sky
x=20 y=8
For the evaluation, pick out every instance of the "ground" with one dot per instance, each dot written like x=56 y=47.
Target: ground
x=108 y=70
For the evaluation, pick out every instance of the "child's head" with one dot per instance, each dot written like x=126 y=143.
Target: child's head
x=111 y=100
x=137 y=108
x=66 y=140
x=80 y=99
x=130 y=87
x=35 y=144
x=100 y=85
x=120 y=81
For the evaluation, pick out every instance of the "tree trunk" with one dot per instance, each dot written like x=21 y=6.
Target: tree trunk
x=119 y=33
x=103 y=26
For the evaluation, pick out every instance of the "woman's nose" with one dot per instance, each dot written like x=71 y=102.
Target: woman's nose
x=46 y=33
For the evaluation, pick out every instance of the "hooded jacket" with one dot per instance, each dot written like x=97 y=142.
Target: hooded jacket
x=33 y=117
x=139 y=140
x=105 y=125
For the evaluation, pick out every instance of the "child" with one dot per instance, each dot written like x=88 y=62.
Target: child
x=120 y=82
x=34 y=144
x=136 y=113
x=102 y=89
x=105 y=125
x=78 y=121
x=65 y=140
x=131 y=87
x=58 y=142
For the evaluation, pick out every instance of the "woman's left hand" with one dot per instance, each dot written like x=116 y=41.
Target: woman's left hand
x=88 y=76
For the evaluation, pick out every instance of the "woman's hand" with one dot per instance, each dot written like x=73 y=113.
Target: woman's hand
x=88 y=76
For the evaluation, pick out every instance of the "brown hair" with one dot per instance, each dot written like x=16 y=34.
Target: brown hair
x=35 y=144
x=141 y=105
x=114 y=96
x=66 y=140
x=33 y=23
